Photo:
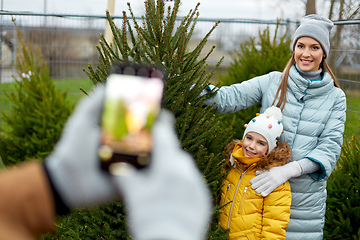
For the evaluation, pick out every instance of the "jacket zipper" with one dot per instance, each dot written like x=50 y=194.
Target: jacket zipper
x=232 y=204
x=237 y=188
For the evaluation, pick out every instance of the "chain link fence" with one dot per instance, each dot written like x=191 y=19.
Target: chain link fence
x=68 y=44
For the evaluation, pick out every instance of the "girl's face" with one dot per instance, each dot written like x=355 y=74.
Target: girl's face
x=308 y=54
x=254 y=145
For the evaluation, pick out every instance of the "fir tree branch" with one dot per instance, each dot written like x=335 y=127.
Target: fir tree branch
x=173 y=111
x=149 y=17
x=207 y=167
x=124 y=38
x=184 y=127
x=199 y=154
x=110 y=53
x=115 y=32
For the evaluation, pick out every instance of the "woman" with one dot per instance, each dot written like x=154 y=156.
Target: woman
x=313 y=109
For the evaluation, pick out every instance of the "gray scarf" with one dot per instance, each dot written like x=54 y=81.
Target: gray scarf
x=310 y=75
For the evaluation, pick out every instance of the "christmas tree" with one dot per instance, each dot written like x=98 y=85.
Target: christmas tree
x=343 y=199
x=160 y=40
x=38 y=113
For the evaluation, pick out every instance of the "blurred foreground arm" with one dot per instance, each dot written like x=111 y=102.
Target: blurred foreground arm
x=26 y=203
x=167 y=200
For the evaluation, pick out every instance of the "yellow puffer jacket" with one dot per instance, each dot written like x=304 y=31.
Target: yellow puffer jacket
x=247 y=214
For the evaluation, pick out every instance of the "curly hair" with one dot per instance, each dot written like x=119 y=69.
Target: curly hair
x=279 y=156
x=228 y=151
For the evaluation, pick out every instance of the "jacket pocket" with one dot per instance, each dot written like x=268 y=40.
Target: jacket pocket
x=225 y=202
x=242 y=199
x=227 y=193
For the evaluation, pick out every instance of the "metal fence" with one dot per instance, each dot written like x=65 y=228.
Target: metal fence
x=68 y=42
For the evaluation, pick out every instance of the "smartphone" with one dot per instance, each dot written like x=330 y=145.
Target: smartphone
x=132 y=102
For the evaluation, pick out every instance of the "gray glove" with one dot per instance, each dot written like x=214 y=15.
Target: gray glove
x=167 y=200
x=171 y=200
x=74 y=166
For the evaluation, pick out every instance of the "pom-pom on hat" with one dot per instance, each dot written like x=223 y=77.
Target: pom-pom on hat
x=268 y=125
x=316 y=27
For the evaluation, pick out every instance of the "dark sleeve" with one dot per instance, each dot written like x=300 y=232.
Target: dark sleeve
x=61 y=208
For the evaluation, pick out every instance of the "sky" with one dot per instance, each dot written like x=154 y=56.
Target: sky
x=222 y=9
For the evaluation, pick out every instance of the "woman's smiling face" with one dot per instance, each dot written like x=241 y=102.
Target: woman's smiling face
x=308 y=54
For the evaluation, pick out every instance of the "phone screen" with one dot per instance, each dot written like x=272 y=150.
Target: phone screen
x=131 y=106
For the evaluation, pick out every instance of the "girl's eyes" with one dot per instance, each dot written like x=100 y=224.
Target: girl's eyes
x=251 y=139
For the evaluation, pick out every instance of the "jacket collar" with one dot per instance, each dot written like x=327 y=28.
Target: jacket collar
x=304 y=89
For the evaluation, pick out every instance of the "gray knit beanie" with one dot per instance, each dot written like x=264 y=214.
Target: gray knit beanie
x=316 y=27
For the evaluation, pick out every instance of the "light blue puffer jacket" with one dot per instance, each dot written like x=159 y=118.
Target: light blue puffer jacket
x=313 y=119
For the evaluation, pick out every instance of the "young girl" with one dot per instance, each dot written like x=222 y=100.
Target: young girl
x=313 y=108
x=247 y=214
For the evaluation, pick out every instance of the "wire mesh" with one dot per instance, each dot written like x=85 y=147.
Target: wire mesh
x=68 y=42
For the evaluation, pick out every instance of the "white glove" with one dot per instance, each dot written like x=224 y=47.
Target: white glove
x=167 y=200
x=266 y=181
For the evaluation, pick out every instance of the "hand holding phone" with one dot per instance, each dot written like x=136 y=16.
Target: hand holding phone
x=132 y=102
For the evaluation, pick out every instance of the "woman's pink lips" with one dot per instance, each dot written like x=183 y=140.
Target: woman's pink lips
x=306 y=62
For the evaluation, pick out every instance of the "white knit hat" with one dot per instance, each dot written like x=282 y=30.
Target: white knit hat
x=268 y=125
x=316 y=27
